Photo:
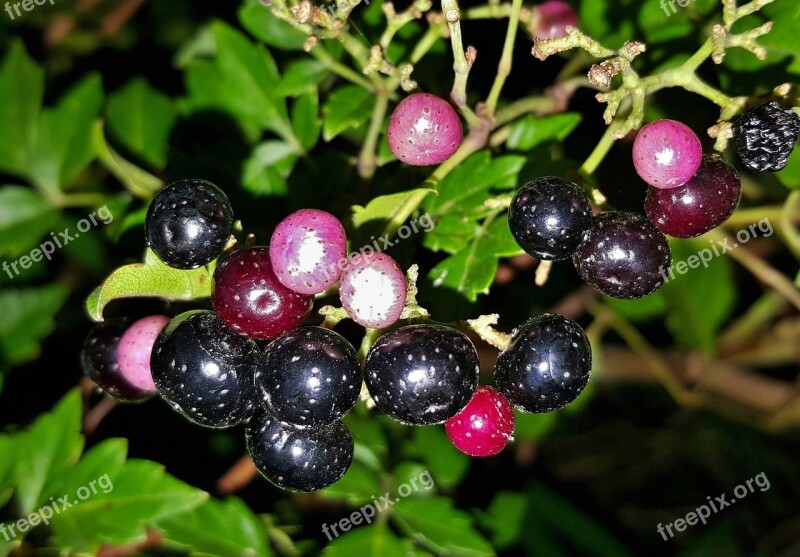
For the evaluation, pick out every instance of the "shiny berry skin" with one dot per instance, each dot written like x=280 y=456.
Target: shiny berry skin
x=764 y=136
x=135 y=349
x=250 y=300
x=424 y=130
x=189 y=223
x=484 y=426
x=422 y=374
x=299 y=458
x=623 y=255
x=551 y=19
x=204 y=370
x=373 y=290
x=703 y=203
x=548 y=217
x=309 y=376
x=546 y=365
x=666 y=153
x=306 y=250
x=99 y=363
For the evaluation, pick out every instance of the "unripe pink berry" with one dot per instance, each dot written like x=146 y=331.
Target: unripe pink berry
x=551 y=19
x=484 y=426
x=424 y=130
x=666 y=153
x=135 y=348
x=373 y=290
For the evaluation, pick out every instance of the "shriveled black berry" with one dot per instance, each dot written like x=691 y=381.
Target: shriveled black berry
x=548 y=216
x=547 y=364
x=623 y=255
x=189 y=223
x=422 y=374
x=764 y=136
x=204 y=370
x=309 y=376
x=299 y=458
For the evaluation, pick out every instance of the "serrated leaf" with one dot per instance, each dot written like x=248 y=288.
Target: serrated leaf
x=21 y=93
x=370 y=541
x=153 y=278
x=141 y=119
x=301 y=77
x=28 y=317
x=25 y=216
x=346 y=108
x=305 y=119
x=529 y=132
x=395 y=208
x=266 y=170
x=259 y=20
x=94 y=471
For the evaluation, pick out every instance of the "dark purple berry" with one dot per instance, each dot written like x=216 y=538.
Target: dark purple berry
x=546 y=365
x=422 y=374
x=764 y=136
x=623 y=255
x=299 y=458
x=188 y=223
x=548 y=217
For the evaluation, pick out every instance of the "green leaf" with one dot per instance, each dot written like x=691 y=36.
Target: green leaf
x=28 y=317
x=141 y=119
x=446 y=528
x=305 y=119
x=533 y=426
x=259 y=20
x=505 y=518
x=357 y=486
x=153 y=278
x=267 y=169
x=370 y=541
x=94 y=471
x=136 y=180
x=301 y=77
x=641 y=310
x=452 y=233
x=219 y=528
x=25 y=217
x=529 y=132
x=21 y=93
x=790 y=176
x=347 y=107
x=384 y=211
x=447 y=465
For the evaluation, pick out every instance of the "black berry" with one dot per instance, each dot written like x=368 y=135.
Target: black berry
x=548 y=216
x=547 y=364
x=189 y=223
x=299 y=458
x=422 y=374
x=204 y=370
x=765 y=135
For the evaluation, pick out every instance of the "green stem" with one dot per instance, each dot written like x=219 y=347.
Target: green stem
x=461 y=65
x=368 y=158
x=340 y=69
x=600 y=150
x=520 y=107
x=504 y=67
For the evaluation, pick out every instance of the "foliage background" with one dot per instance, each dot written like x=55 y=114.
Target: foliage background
x=694 y=389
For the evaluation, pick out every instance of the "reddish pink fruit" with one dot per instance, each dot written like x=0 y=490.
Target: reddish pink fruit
x=666 y=153
x=424 y=130
x=306 y=250
x=484 y=426
x=135 y=348
x=551 y=19
x=373 y=290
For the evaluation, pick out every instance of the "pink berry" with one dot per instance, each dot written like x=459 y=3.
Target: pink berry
x=484 y=426
x=551 y=19
x=250 y=300
x=424 y=130
x=306 y=249
x=666 y=153
x=135 y=348
x=373 y=290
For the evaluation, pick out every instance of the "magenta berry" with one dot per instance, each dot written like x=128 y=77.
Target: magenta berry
x=250 y=300
x=484 y=426
x=666 y=153
x=424 y=130
x=373 y=290
x=703 y=203
x=551 y=19
x=135 y=349
x=306 y=249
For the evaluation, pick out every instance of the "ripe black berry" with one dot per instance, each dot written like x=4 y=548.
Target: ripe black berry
x=204 y=370
x=623 y=255
x=309 y=376
x=547 y=364
x=299 y=458
x=422 y=374
x=548 y=216
x=765 y=135
x=189 y=223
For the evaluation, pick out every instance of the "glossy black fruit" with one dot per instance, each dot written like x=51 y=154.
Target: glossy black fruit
x=309 y=376
x=299 y=458
x=204 y=370
x=548 y=216
x=189 y=223
x=765 y=135
x=547 y=364
x=623 y=255
x=422 y=374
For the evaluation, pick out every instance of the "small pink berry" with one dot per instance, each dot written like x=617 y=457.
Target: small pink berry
x=666 y=153
x=424 y=130
x=135 y=348
x=551 y=19
x=373 y=290
x=484 y=426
